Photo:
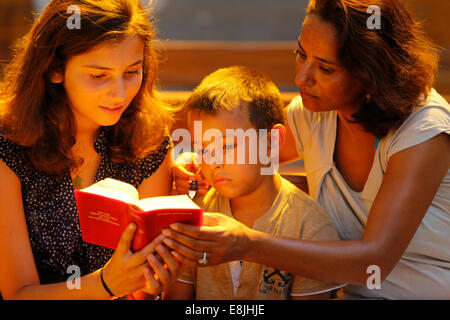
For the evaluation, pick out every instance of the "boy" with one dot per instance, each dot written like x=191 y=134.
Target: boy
x=234 y=108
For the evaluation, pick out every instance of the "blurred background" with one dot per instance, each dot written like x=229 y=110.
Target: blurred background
x=199 y=36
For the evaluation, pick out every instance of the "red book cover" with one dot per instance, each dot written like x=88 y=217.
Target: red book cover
x=107 y=207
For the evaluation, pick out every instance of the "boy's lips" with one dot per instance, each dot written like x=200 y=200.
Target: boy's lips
x=220 y=181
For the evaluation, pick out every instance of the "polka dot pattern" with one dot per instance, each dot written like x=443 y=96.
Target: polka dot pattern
x=50 y=208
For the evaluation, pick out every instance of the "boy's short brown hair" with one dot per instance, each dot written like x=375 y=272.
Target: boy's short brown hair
x=239 y=87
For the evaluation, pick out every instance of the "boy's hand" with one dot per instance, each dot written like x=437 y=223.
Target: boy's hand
x=185 y=170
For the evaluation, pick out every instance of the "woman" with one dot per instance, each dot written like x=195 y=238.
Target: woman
x=374 y=136
x=78 y=106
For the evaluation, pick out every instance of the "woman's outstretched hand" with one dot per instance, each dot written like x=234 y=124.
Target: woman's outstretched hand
x=221 y=237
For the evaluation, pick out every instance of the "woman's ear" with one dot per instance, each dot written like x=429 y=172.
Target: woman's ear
x=57 y=77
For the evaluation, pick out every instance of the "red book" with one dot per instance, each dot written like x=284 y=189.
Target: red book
x=107 y=207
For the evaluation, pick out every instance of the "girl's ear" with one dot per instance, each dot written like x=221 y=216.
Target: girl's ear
x=57 y=77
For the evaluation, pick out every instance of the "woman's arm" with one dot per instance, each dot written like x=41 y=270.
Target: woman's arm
x=409 y=185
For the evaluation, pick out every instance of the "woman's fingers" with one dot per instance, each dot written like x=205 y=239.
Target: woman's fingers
x=191 y=238
x=183 y=252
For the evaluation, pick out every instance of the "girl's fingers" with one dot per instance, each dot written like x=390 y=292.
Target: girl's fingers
x=158 y=268
x=140 y=257
x=125 y=240
x=153 y=286
x=169 y=260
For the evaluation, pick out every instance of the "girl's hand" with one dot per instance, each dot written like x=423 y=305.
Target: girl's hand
x=124 y=272
x=221 y=237
x=164 y=270
x=186 y=169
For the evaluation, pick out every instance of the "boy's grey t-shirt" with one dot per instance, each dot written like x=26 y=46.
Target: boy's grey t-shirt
x=293 y=214
x=423 y=271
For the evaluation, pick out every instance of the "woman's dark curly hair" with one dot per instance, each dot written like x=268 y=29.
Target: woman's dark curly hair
x=396 y=63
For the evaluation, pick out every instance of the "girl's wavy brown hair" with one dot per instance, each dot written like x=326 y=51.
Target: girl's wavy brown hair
x=396 y=63
x=36 y=113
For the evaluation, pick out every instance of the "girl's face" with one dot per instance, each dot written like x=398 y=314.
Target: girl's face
x=101 y=83
x=324 y=84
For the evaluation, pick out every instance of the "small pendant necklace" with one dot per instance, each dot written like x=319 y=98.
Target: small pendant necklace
x=77 y=182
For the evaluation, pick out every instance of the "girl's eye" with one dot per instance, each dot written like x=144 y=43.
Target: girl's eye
x=97 y=76
x=132 y=73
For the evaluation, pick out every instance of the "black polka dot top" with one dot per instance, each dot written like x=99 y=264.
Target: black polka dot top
x=51 y=212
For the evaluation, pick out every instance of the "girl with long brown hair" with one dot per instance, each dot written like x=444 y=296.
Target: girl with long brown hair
x=374 y=136
x=78 y=105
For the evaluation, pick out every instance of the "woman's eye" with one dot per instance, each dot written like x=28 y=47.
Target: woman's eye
x=326 y=70
x=299 y=54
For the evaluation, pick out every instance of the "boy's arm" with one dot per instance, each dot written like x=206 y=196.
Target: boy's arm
x=180 y=291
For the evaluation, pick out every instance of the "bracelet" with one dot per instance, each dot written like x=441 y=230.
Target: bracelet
x=106 y=287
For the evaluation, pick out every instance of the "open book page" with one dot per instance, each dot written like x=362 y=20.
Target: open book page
x=167 y=202
x=115 y=189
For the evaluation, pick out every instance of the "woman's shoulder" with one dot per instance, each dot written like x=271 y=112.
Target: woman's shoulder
x=425 y=122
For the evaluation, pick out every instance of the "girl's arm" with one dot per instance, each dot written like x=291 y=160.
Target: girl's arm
x=410 y=183
x=19 y=279
x=160 y=182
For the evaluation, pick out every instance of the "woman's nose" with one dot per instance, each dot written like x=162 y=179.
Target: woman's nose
x=304 y=75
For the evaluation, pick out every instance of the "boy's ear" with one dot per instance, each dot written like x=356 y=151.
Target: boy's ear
x=281 y=135
x=57 y=77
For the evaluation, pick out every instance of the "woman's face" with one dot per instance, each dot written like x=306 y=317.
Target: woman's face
x=101 y=83
x=324 y=84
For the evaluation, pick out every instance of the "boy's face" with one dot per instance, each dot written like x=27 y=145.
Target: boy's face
x=229 y=164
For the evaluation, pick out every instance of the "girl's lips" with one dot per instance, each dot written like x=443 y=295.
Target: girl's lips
x=111 y=110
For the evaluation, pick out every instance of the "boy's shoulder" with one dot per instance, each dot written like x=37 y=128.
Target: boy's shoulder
x=298 y=199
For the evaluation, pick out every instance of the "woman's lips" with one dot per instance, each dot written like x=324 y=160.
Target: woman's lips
x=306 y=95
